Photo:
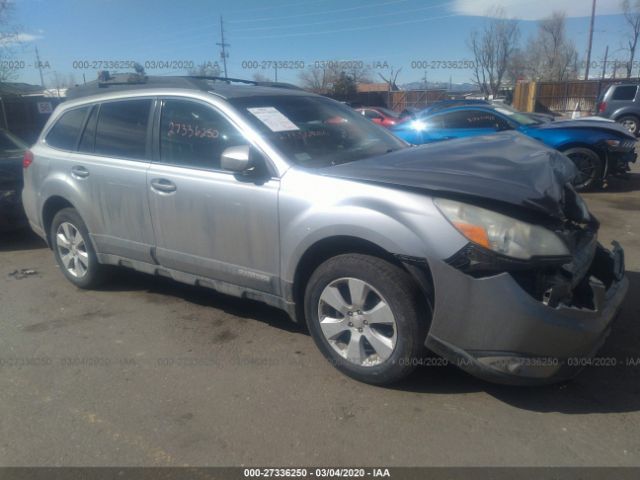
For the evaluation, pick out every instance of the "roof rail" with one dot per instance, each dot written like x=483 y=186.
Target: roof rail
x=224 y=79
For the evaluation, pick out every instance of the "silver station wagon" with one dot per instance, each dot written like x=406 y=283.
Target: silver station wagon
x=477 y=249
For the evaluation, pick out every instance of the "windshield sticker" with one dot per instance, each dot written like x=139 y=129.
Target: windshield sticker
x=273 y=118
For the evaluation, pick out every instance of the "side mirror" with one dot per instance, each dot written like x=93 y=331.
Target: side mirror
x=237 y=159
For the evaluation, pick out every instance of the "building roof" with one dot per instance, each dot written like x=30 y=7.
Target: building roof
x=225 y=87
x=20 y=89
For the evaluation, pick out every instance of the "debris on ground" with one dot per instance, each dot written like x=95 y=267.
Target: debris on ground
x=23 y=273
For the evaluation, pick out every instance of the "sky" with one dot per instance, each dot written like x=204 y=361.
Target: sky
x=72 y=35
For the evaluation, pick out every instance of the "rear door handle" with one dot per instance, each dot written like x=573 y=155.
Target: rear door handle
x=79 y=171
x=163 y=185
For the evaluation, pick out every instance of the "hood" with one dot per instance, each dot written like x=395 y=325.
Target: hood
x=592 y=124
x=505 y=167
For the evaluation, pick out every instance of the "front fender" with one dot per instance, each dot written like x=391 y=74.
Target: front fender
x=315 y=207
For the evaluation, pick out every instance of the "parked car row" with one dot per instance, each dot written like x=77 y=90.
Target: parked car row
x=478 y=248
x=599 y=148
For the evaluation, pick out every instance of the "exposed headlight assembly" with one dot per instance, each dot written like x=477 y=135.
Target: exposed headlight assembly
x=500 y=233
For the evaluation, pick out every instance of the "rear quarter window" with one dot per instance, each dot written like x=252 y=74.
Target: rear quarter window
x=64 y=134
x=627 y=92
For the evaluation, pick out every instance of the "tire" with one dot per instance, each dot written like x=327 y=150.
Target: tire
x=383 y=336
x=590 y=166
x=73 y=250
x=631 y=123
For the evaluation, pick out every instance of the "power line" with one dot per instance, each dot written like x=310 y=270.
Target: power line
x=352 y=29
x=339 y=20
x=273 y=7
x=339 y=10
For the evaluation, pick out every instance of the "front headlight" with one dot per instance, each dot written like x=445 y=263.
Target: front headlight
x=499 y=233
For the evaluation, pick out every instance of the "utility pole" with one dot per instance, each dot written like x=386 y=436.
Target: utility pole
x=593 y=14
x=223 y=52
x=39 y=68
x=604 y=64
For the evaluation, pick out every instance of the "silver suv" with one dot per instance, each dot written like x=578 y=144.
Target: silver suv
x=478 y=249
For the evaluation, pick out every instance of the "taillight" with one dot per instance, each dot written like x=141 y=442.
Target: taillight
x=27 y=159
x=602 y=106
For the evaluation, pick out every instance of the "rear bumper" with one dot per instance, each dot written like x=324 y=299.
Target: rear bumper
x=493 y=329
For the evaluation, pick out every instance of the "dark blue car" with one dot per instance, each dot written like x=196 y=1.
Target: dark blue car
x=598 y=148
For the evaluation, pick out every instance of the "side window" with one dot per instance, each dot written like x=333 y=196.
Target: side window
x=65 y=132
x=371 y=114
x=434 y=122
x=122 y=129
x=627 y=92
x=195 y=135
x=89 y=135
x=473 y=119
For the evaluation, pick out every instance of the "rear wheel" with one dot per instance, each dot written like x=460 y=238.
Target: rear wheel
x=73 y=250
x=367 y=317
x=631 y=123
x=590 y=167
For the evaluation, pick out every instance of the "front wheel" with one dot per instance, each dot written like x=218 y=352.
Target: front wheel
x=590 y=167
x=367 y=317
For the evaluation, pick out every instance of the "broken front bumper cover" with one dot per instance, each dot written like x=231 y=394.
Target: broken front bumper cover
x=494 y=329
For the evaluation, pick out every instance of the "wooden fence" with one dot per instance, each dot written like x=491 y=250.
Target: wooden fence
x=562 y=97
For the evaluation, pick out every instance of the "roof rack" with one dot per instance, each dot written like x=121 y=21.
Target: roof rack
x=137 y=81
x=223 y=79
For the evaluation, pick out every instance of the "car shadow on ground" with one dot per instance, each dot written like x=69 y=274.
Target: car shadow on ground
x=18 y=240
x=130 y=280
x=612 y=387
x=628 y=183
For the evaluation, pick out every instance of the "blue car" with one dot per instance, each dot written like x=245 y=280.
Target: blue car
x=598 y=149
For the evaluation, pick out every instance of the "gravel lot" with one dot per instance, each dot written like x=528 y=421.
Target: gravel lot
x=151 y=372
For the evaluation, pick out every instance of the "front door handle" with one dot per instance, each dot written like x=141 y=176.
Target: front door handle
x=79 y=171
x=163 y=185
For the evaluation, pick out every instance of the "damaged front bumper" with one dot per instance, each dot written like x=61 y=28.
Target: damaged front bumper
x=502 y=329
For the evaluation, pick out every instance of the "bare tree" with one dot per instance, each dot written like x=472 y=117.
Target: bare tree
x=320 y=78
x=261 y=77
x=493 y=49
x=632 y=17
x=552 y=56
x=361 y=74
x=206 y=69
x=315 y=79
x=391 y=79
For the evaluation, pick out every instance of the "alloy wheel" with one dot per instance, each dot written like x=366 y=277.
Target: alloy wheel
x=72 y=250
x=631 y=125
x=357 y=321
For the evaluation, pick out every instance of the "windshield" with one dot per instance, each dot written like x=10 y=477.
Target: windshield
x=516 y=116
x=315 y=131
